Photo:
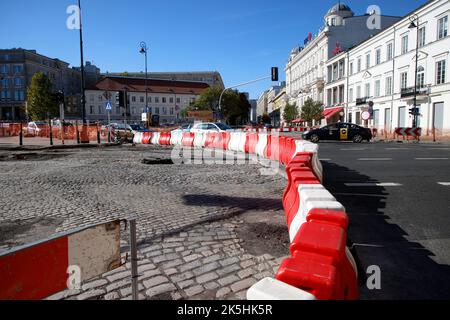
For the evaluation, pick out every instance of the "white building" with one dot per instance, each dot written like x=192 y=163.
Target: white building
x=383 y=68
x=306 y=68
x=165 y=98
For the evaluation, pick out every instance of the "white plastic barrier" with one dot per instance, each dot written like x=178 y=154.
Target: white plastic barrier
x=137 y=139
x=306 y=146
x=155 y=138
x=242 y=141
x=272 y=289
x=233 y=144
x=200 y=140
x=262 y=145
x=312 y=197
x=176 y=138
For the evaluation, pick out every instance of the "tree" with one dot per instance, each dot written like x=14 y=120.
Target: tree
x=290 y=113
x=234 y=106
x=41 y=100
x=312 y=110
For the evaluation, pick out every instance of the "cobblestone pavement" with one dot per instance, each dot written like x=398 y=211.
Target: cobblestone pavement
x=205 y=231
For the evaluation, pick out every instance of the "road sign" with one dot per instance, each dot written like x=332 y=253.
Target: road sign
x=365 y=115
x=108 y=105
x=408 y=132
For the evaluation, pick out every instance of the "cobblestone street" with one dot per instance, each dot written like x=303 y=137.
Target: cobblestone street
x=205 y=231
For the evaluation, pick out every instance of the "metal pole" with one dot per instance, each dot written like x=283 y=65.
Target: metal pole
x=83 y=96
x=415 y=81
x=134 y=260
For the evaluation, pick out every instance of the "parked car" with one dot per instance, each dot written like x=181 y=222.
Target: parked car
x=122 y=132
x=184 y=128
x=339 y=132
x=138 y=128
x=35 y=128
x=210 y=127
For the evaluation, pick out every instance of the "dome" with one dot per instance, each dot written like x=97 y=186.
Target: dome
x=338 y=8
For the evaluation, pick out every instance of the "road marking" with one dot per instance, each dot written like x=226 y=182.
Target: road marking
x=432 y=158
x=373 y=184
x=375 y=159
x=354 y=149
x=397 y=149
x=445 y=184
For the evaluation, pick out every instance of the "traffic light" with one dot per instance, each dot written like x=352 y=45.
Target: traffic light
x=274 y=74
x=371 y=104
x=414 y=111
x=120 y=99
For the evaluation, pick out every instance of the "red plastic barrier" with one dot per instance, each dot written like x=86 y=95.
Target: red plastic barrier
x=147 y=137
x=188 y=139
x=164 y=139
x=330 y=241
x=211 y=139
x=251 y=142
x=226 y=137
x=335 y=218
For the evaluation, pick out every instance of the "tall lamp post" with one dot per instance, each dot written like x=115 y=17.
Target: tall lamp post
x=84 y=134
x=144 y=51
x=415 y=24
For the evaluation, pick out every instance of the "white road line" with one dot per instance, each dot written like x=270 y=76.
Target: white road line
x=375 y=159
x=397 y=149
x=432 y=159
x=445 y=184
x=373 y=184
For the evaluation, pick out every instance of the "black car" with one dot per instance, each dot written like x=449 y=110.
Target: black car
x=339 y=132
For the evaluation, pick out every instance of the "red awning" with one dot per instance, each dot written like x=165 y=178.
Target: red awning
x=298 y=121
x=328 y=113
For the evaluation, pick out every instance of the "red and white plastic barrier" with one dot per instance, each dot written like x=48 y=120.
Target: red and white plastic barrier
x=321 y=266
x=42 y=269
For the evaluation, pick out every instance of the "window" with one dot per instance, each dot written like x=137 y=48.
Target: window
x=171 y=111
x=359 y=64
x=100 y=98
x=133 y=99
x=421 y=77
x=390 y=51
x=341 y=69
x=141 y=99
x=405 y=40
x=157 y=110
x=351 y=68
x=388 y=86
x=422 y=37
x=100 y=109
x=367 y=90
x=91 y=98
x=4 y=68
x=403 y=80
x=178 y=100
x=442 y=27
x=368 y=61
x=377 y=88
x=164 y=100
x=440 y=72
x=18 y=69
x=149 y=99
x=164 y=109
x=19 y=95
x=358 y=92
x=378 y=56
x=171 y=100
x=350 y=95
x=91 y=109
x=157 y=100
x=4 y=83
x=18 y=82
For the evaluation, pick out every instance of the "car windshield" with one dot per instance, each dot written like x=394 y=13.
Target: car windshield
x=122 y=126
x=223 y=126
x=40 y=123
x=136 y=127
x=186 y=126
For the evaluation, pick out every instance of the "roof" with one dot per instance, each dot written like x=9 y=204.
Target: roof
x=339 y=7
x=153 y=85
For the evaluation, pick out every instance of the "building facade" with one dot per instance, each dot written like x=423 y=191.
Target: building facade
x=382 y=70
x=262 y=105
x=17 y=68
x=166 y=98
x=212 y=78
x=306 y=70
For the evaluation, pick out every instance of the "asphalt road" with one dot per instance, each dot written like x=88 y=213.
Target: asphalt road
x=398 y=200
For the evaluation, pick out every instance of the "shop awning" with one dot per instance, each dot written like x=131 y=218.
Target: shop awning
x=328 y=113
x=298 y=121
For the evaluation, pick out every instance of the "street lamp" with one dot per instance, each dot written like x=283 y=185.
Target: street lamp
x=144 y=51
x=415 y=24
x=84 y=133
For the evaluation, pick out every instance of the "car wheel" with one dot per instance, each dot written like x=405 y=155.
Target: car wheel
x=315 y=138
x=358 y=138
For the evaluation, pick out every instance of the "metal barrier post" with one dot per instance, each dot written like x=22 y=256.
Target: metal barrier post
x=51 y=131
x=134 y=260
x=21 y=135
x=77 y=132
x=98 y=134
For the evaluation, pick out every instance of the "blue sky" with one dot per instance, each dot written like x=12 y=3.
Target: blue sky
x=240 y=39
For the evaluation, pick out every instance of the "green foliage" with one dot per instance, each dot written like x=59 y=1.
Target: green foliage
x=312 y=110
x=234 y=106
x=41 y=100
x=290 y=113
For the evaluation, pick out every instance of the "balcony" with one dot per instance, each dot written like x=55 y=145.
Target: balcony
x=409 y=92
